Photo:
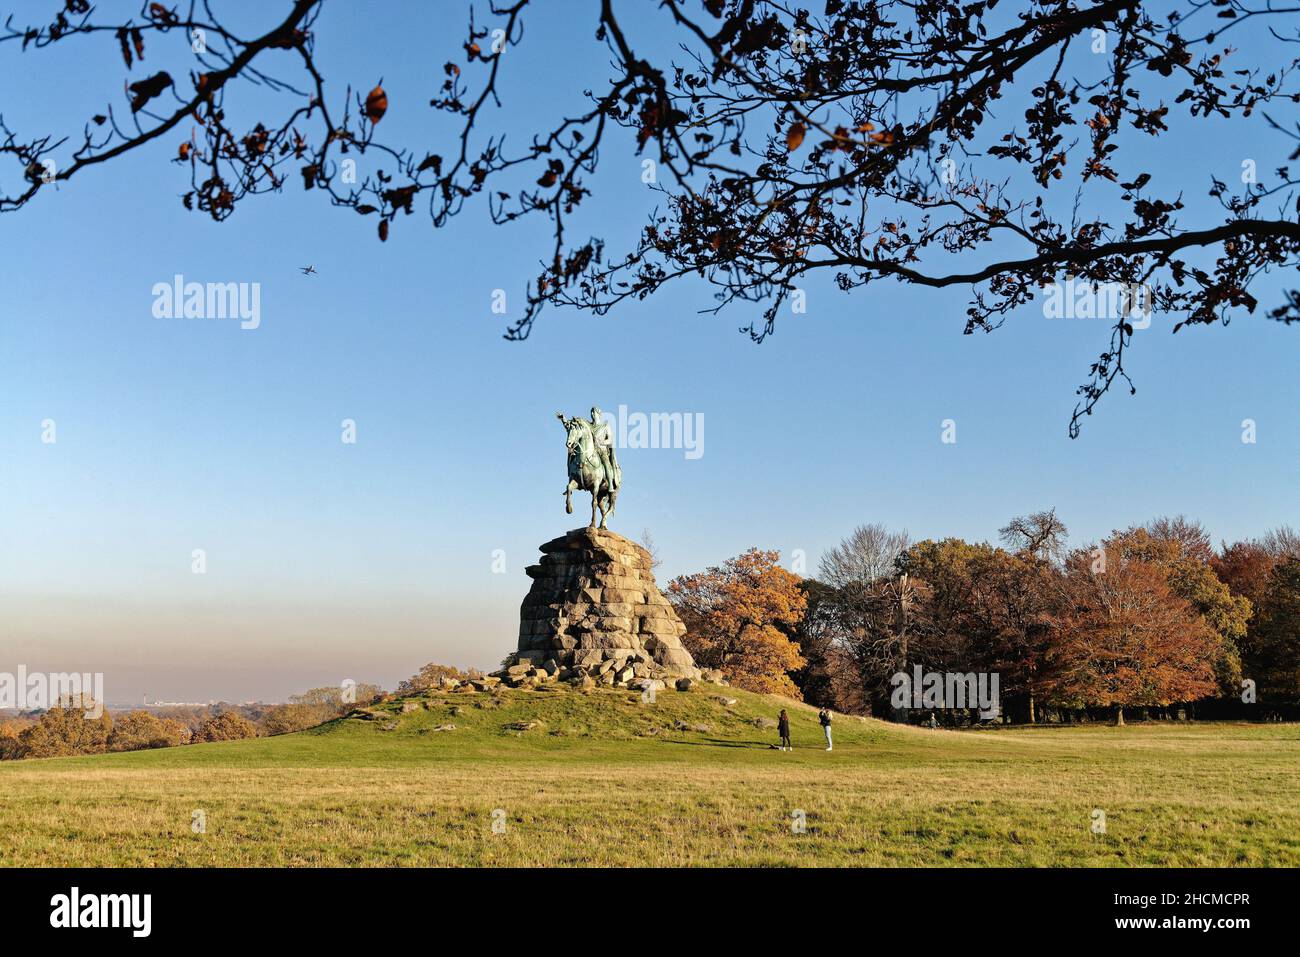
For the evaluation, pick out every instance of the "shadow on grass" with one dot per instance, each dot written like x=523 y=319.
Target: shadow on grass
x=721 y=743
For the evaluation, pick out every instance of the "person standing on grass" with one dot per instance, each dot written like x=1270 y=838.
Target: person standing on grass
x=783 y=728
x=825 y=718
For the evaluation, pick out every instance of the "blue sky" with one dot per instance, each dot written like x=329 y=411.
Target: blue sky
x=328 y=561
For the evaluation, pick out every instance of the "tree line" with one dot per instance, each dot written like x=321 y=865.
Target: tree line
x=1153 y=617
x=65 y=730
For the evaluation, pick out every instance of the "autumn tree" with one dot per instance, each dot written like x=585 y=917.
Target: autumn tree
x=948 y=568
x=316 y=706
x=226 y=726
x=336 y=699
x=817 y=640
x=1273 y=652
x=880 y=629
x=68 y=728
x=11 y=745
x=427 y=678
x=137 y=730
x=864 y=622
x=992 y=610
x=1126 y=639
x=948 y=606
x=1013 y=601
x=1244 y=567
x=739 y=617
x=987 y=146
x=856 y=637
x=288 y=718
x=1193 y=579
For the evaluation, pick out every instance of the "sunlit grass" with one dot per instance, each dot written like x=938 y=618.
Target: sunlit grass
x=606 y=779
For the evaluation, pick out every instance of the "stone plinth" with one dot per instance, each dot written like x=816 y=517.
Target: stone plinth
x=594 y=609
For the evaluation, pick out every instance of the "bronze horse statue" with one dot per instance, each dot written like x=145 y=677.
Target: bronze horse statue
x=593 y=466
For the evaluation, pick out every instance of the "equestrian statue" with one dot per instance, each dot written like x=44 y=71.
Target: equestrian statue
x=593 y=466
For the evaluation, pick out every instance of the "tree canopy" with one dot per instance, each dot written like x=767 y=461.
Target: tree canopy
x=981 y=145
x=739 y=617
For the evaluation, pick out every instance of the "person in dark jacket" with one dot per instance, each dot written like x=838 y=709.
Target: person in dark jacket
x=783 y=727
x=825 y=718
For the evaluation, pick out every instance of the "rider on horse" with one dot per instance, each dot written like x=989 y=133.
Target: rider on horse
x=604 y=437
x=593 y=464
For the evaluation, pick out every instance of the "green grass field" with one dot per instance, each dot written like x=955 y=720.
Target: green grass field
x=605 y=779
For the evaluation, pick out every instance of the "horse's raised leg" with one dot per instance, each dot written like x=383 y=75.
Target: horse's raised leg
x=568 y=496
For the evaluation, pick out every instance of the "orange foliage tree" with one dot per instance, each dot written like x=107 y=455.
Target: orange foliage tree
x=1126 y=638
x=65 y=729
x=1245 y=568
x=738 y=618
x=1180 y=555
x=141 y=729
x=226 y=726
x=11 y=745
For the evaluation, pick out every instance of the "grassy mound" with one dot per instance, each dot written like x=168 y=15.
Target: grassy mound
x=564 y=722
x=555 y=721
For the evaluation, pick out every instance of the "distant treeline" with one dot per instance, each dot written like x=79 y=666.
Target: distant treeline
x=1153 y=619
x=66 y=730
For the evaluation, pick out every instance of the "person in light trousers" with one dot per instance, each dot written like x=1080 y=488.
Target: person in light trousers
x=825 y=718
